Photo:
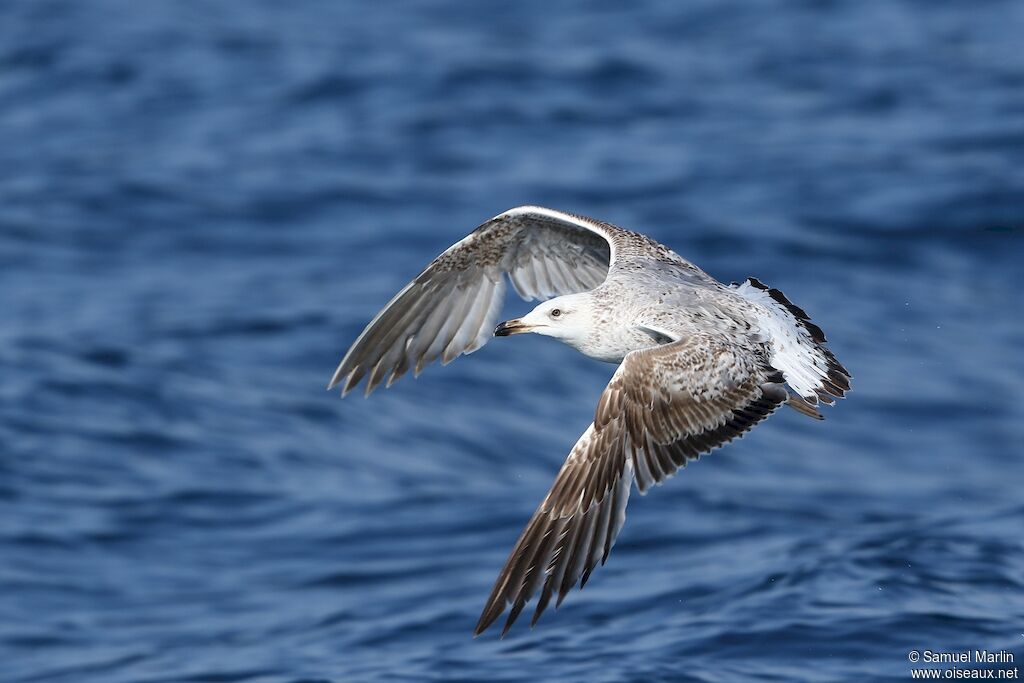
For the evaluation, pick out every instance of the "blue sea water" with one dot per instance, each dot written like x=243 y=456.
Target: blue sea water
x=202 y=203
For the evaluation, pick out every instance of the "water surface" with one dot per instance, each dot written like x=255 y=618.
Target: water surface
x=201 y=204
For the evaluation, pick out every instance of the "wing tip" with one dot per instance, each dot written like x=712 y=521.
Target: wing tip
x=802 y=406
x=339 y=378
x=492 y=610
x=336 y=377
x=350 y=380
x=479 y=629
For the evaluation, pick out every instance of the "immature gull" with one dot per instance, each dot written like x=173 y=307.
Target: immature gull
x=700 y=363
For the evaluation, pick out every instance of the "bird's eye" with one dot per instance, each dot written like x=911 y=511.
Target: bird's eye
x=555 y=312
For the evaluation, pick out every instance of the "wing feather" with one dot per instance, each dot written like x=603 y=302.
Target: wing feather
x=664 y=406
x=449 y=309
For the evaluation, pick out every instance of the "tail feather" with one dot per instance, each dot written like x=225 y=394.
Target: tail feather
x=798 y=349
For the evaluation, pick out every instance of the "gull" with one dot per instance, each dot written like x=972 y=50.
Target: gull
x=699 y=364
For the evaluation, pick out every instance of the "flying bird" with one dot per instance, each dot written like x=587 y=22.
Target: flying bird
x=700 y=363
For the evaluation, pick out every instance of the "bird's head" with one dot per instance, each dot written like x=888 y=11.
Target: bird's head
x=568 y=318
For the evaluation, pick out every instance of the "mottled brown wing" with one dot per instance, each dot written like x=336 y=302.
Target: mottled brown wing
x=664 y=406
x=572 y=529
x=452 y=306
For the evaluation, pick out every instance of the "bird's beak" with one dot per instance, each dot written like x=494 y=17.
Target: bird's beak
x=510 y=327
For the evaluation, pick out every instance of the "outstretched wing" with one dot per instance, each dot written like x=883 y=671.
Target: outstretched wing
x=452 y=306
x=664 y=406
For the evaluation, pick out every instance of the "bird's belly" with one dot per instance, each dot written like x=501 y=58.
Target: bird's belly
x=613 y=347
x=607 y=357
